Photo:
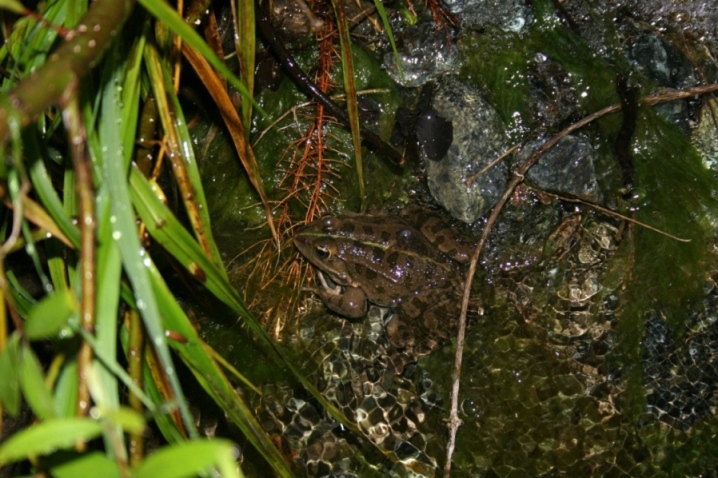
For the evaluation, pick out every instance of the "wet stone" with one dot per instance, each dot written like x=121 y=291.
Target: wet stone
x=552 y=92
x=566 y=168
x=661 y=61
x=424 y=52
x=664 y=63
x=508 y=15
x=477 y=139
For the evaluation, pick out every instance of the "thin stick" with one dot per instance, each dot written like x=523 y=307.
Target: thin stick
x=493 y=163
x=615 y=214
x=454 y=421
x=77 y=135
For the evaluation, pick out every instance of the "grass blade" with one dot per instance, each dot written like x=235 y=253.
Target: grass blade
x=48 y=436
x=351 y=94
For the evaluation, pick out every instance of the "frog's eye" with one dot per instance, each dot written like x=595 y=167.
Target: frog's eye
x=323 y=252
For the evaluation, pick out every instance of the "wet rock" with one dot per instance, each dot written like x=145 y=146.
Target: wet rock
x=661 y=61
x=509 y=16
x=596 y=23
x=665 y=64
x=566 y=168
x=424 y=52
x=553 y=94
x=477 y=138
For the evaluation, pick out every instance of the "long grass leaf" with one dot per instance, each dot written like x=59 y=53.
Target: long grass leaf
x=124 y=229
x=88 y=464
x=131 y=89
x=109 y=277
x=42 y=185
x=351 y=95
x=162 y=11
x=9 y=368
x=34 y=389
x=389 y=33
x=235 y=127
x=181 y=154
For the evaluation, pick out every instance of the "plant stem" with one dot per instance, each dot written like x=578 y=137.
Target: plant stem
x=81 y=51
x=72 y=117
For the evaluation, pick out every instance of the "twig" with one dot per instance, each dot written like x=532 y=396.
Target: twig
x=72 y=117
x=615 y=214
x=454 y=421
x=293 y=109
x=493 y=163
x=133 y=322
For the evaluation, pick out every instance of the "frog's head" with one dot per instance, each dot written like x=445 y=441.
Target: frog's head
x=319 y=246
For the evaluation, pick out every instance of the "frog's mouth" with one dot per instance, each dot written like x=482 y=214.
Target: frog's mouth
x=328 y=283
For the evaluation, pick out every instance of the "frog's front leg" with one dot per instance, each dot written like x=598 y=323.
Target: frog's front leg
x=350 y=301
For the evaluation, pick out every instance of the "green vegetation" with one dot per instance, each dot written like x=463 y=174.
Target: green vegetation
x=70 y=130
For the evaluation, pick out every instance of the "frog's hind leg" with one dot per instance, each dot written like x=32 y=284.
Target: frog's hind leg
x=423 y=333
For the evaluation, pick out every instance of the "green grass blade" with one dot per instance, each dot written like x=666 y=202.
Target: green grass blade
x=89 y=464
x=103 y=384
x=163 y=12
x=9 y=369
x=65 y=390
x=48 y=436
x=42 y=185
x=50 y=315
x=124 y=229
x=351 y=95
x=131 y=93
x=187 y=459
x=387 y=28
x=109 y=276
x=32 y=382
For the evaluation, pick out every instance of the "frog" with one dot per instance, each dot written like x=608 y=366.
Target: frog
x=412 y=262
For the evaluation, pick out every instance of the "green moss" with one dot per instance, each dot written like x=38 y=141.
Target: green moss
x=498 y=67
x=679 y=199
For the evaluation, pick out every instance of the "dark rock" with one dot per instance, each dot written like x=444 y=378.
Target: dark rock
x=553 y=94
x=566 y=168
x=666 y=65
